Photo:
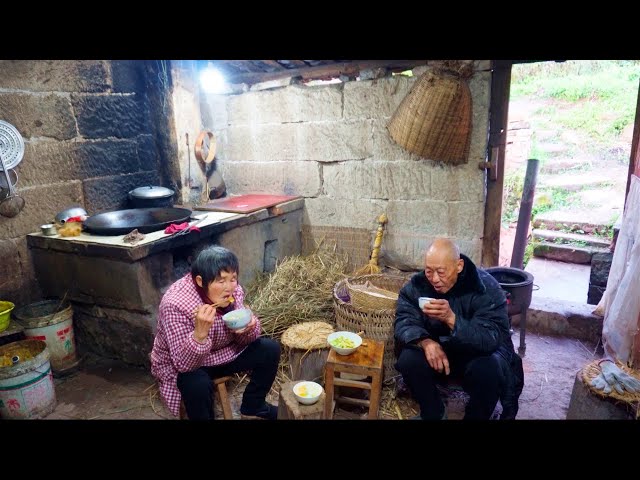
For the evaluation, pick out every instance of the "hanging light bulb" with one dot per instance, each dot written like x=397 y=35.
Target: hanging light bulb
x=212 y=81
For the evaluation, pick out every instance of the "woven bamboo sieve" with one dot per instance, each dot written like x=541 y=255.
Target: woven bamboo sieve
x=369 y=297
x=434 y=119
x=375 y=324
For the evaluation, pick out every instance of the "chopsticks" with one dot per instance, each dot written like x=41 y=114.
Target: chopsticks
x=217 y=304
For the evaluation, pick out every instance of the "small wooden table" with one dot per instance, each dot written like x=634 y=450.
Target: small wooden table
x=367 y=360
x=290 y=409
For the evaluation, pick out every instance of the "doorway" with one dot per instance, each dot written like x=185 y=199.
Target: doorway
x=577 y=118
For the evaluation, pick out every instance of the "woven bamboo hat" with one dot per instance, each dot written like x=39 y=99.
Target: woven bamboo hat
x=434 y=119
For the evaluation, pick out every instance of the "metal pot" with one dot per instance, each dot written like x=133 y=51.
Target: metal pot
x=518 y=284
x=151 y=197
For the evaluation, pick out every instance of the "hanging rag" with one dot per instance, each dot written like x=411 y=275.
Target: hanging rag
x=179 y=227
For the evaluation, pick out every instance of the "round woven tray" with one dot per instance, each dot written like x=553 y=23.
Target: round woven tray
x=376 y=324
x=592 y=370
x=307 y=335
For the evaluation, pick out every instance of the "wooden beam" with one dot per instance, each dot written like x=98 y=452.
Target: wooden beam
x=333 y=70
x=498 y=118
x=634 y=158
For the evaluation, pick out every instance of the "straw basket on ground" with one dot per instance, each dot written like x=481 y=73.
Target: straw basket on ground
x=308 y=350
x=434 y=119
x=365 y=314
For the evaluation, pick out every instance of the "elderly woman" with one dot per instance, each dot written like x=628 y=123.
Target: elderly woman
x=193 y=345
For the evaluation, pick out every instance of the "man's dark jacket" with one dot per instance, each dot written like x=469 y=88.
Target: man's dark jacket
x=481 y=326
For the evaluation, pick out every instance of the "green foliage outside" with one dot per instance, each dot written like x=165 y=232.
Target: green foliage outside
x=595 y=98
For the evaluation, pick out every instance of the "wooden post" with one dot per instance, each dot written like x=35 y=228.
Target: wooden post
x=308 y=364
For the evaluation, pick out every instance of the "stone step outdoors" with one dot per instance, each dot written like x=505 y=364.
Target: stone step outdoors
x=557 y=165
x=587 y=222
x=573 y=182
x=566 y=253
x=579 y=239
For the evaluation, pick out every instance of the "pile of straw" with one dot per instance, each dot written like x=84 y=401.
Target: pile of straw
x=300 y=289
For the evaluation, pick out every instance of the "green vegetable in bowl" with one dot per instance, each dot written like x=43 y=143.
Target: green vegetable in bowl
x=343 y=342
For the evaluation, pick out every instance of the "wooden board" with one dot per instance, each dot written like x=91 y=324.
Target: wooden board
x=246 y=203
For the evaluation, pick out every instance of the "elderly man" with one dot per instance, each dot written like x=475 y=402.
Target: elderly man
x=462 y=330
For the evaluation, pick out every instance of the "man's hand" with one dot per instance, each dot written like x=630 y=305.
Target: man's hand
x=440 y=310
x=612 y=377
x=435 y=355
x=204 y=319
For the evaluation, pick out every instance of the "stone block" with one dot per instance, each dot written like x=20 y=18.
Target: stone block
x=120 y=116
x=377 y=180
x=287 y=178
x=323 y=142
x=384 y=148
x=148 y=154
x=11 y=278
x=39 y=115
x=457 y=183
x=128 y=76
x=600 y=267
x=110 y=193
x=425 y=217
x=465 y=220
x=114 y=333
x=104 y=282
x=286 y=105
x=594 y=294
x=42 y=203
x=87 y=76
x=213 y=109
x=326 y=211
x=49 y=162
x=376 y=99
x=261 y=244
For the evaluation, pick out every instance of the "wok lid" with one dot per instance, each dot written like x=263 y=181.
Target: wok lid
x=150 y=192
x=146 y=220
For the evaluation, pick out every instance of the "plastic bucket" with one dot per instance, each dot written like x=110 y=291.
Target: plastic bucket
x=26 y=381
x=51 y=322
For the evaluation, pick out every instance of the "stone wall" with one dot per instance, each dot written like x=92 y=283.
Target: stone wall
x=329 y=144
x=91 y=134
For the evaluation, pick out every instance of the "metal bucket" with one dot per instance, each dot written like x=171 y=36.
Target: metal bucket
x=52 y=322
x=26 y=382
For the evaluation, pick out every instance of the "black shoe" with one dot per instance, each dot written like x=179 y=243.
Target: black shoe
x=267 y=412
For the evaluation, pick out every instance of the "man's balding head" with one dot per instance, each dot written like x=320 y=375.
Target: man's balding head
x=443 y=264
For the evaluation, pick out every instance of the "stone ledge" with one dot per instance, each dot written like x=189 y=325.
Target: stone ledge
x=549 y=316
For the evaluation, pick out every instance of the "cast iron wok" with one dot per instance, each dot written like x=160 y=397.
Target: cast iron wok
x=146 y=220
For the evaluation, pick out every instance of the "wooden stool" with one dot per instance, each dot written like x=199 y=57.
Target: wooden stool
x=366 y=360
x=290 y=409
x=221 y=387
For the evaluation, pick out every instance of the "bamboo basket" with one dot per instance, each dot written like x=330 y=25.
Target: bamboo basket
x=375 y=324
x=369 y=297
x=434 y=119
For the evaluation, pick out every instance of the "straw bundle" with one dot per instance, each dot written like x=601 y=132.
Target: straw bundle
x=434 y=119
x=298 y=290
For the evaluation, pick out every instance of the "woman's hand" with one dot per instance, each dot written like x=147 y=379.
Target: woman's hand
x=204 y=320
x=247 y=327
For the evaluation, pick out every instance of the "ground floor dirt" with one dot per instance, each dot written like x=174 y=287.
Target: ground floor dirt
x=106 y=389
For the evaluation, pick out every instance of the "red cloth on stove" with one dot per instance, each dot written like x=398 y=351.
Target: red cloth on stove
x=177 y=227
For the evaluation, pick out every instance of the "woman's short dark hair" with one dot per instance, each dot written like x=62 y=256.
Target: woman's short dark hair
x=213 y=260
